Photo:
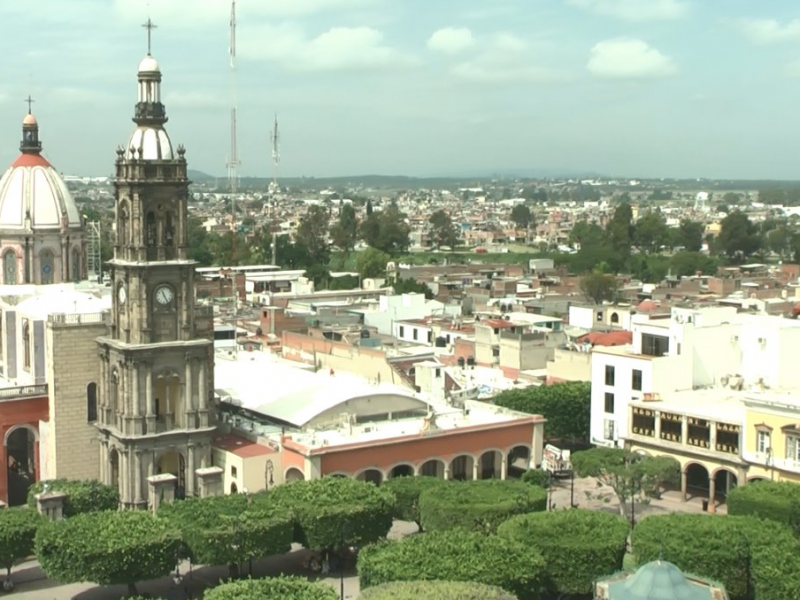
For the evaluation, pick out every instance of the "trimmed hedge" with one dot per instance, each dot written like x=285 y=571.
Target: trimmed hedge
x=82 y=496
x=578 y=545
x=18 y=528
x=330 y=510
x=741 y=552
x=456 y=555
x=272 y=588
x=226 y=530
x=481 y=504
x=435 y=590
x=407 y=491
x=775 y=500
x=108 y=548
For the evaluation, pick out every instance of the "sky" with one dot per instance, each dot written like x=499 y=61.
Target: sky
x=622 y=88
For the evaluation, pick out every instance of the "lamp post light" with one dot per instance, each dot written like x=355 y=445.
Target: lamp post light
x=572 y=489
x=268 y=481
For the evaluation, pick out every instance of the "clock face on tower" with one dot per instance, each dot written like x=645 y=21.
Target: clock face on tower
x=122 y=294
x=164 y=295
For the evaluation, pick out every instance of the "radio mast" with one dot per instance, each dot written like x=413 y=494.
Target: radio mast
x=233 y=159
x=276 y=157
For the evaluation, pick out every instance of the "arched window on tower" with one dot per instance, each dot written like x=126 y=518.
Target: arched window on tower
x=150 y=230
x=91 y=402
x=169 y=230
x=47 y=265
x=10 y=267
x=76 y=265
x=26 y=344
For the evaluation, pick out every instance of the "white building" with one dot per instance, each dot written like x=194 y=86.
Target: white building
x=690 y=348
x=404 y=307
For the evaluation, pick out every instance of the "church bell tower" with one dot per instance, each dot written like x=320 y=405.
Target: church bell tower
x=156 y=412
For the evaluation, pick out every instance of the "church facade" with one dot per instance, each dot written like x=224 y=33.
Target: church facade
x=155 y=413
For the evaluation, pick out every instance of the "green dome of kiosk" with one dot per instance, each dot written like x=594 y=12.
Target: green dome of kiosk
x=658 y=580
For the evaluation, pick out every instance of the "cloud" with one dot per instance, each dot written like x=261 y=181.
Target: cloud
x=628 y=58
x=635 y=10
x=768 y=31
x=504 y=58
x=451 y=40
x=338 y=49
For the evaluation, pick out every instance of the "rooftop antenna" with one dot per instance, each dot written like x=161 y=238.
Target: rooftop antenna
x=276 y=157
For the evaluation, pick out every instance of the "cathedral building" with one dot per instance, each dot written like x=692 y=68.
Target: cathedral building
x=155 y=415
x=41 y=232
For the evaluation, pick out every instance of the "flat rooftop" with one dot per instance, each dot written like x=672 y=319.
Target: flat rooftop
x=713 y=404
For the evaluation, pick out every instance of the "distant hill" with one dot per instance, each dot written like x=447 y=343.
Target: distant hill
x=199 y=176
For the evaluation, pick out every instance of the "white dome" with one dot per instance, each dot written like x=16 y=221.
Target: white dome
x=148 y=65
x=150 y=143
x=32 y=187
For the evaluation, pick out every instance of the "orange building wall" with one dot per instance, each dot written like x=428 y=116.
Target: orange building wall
x=28 y=411
x=419 y=450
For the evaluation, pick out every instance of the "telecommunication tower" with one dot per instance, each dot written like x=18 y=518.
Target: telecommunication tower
x=276 y=157
x=233 y=159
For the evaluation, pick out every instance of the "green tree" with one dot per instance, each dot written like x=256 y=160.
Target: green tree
x=108 y=548
x=435 y=590
x=456 y=555
x=521 y=215
x=738 y=237
x=410 y=285
x=779 y=240
x=228 y=530
x=345 y=231
x=479 y=505
x=18 y=528
x=312 y=234
x=198 y=242
x=332 y=510
x=566 y=406
x=81 y=496
x=690 y=263
x=629 y=474
x=272 y=588
x=394 y=231
x=443 y=230
x=651 y=232
x=690 y=235
x=599 y=287
x=579 y=546
x=620 y=229
x=372 y=263
x=407 y=491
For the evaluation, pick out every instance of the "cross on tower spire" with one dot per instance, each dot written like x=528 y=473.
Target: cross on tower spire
x=30 y=101
x=149 y=26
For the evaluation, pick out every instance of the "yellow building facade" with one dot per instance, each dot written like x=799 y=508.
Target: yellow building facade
x=772 y=437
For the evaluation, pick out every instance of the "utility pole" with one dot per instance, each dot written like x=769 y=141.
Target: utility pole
x=276 y=156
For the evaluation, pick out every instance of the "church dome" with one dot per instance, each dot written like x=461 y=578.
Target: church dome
x=149 y=143
x=32 y=193
x=148 y=65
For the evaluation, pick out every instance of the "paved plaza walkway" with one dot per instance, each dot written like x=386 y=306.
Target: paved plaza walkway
x=31 y=583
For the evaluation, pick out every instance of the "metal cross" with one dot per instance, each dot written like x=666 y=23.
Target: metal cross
x=149 y=26
x=30 y=101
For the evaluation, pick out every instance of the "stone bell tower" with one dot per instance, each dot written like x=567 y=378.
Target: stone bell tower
x=155 y=415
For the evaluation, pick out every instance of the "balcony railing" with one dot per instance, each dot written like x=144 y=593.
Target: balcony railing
x=23 y=391
x=78 y=319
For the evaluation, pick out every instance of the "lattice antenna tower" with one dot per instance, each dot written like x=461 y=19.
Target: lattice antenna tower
x=276 y=158
x=233 y=159
x=94 y=262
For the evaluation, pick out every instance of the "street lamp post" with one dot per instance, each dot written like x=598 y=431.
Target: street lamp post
x=572 y=488
x=268 y=481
